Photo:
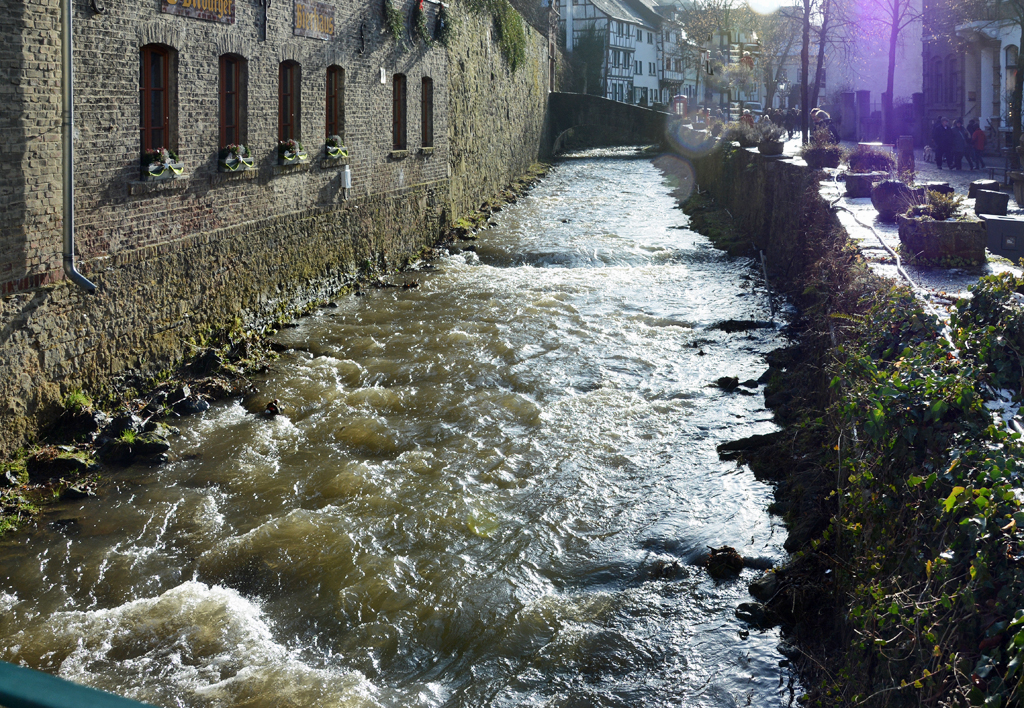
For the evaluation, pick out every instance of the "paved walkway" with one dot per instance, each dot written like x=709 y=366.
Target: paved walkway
x=942 y=286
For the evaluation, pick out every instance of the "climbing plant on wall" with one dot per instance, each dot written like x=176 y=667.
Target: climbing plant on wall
x=511 y=34
x=393 y=20
x=419 y=23
x=444 y=29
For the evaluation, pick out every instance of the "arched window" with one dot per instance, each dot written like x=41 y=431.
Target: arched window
x=936 y=80
x=289 y=101
x=1011 y=67
x=427 y=112
x=951 y=79
x=399 y=121
x=232 y=100
x=335 y=101
x=155 y=100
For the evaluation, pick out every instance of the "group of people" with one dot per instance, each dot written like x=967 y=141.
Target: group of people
x=954 y=143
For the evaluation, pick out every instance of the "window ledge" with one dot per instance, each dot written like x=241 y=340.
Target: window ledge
x=169 y=184
x=329 y=162
x=292 y=168
x=399 y=154
x=236 y=176
x=427 y=150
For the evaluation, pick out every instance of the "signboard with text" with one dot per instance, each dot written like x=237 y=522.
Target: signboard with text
x=213 y=10
x=313 y=19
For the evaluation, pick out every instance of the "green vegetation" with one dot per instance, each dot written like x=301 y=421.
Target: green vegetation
x=866 y=159
x=393 y=20
x=939 y=207
x=925 y=540
x=586 y=60
x=77 y=402
x=446 y=28
x=419 y=24
x=509 y=28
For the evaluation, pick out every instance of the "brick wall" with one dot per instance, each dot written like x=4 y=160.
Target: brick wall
x=173 y=257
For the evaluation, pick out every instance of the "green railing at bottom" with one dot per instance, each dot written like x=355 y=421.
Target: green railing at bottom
x=28 y=688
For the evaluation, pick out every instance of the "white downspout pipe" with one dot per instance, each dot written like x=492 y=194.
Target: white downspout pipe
x=68 y=149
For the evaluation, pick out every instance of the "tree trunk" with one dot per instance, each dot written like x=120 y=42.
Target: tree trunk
x=822 y=35
x=888 y=127
x=805 y=52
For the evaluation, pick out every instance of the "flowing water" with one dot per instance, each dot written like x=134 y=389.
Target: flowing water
x=463 y=498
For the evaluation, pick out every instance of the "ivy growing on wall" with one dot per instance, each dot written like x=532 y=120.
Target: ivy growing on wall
x=393 y=20
x=419 y=23
x=511 y=33
x=444 y=29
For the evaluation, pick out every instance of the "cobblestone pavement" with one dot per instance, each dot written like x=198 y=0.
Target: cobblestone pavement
x=942 y=286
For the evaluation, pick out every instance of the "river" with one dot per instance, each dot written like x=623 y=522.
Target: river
x=463 y=498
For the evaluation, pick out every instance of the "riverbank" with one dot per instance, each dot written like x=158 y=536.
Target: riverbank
x=896 y=467
x=133 y=419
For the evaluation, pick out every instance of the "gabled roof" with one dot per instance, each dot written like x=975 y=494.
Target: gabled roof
x=620 y=10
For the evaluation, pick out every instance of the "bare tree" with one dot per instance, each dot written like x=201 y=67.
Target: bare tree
x=889 y=19
x=700 y=20
x=777 y=34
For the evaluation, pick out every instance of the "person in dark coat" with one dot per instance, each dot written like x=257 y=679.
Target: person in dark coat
x=960 y=142
x=790 y=122
x=942 y=136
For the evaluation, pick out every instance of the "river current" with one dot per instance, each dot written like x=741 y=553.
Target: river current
x=463 y=498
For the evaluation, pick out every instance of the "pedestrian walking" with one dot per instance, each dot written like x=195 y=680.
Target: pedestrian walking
x=942 y=136
x=960 y=141
x=978 y=143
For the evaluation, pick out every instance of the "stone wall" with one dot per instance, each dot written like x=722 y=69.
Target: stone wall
x=177 y=257
x=496 y=118
x=775 y=203
x=581 y=120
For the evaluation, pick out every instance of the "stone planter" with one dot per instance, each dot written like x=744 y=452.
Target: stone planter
x=335 y=153
x=891 y=198
x=167 y=170
x=1017 y=178
x=937 y=241
x=989 y=184
x=816 y=159
x=771 y=147
x=860 y=184
x=991 y=202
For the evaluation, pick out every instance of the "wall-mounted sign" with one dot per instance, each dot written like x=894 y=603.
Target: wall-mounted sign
x=213 y=10
x=314 y=19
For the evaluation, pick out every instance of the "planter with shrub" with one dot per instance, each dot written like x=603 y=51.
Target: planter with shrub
x=937 y=233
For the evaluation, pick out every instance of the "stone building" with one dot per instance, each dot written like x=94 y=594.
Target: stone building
x=429 y=133
x=970 y=65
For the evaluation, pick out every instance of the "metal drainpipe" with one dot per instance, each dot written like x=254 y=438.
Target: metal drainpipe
x=68 y=134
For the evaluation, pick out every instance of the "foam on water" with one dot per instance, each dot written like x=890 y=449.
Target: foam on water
x=205 y=643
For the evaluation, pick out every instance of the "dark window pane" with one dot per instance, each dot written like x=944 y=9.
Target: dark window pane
x=156 y=71
x=156 y=110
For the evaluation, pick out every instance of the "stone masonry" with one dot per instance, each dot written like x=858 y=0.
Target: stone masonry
x=206 y=250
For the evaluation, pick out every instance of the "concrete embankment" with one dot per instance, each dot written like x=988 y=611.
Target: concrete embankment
x=896 y=468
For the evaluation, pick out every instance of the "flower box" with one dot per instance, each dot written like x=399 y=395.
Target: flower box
x=290 y=152
x=155 y=171
x=292 y=158
x=236 y=164
x=235 y=158
x=335 y=148
x=771 y=147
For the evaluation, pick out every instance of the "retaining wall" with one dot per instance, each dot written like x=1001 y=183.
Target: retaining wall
x=172 y=259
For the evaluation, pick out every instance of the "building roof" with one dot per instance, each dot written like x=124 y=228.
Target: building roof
x=621 y=10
